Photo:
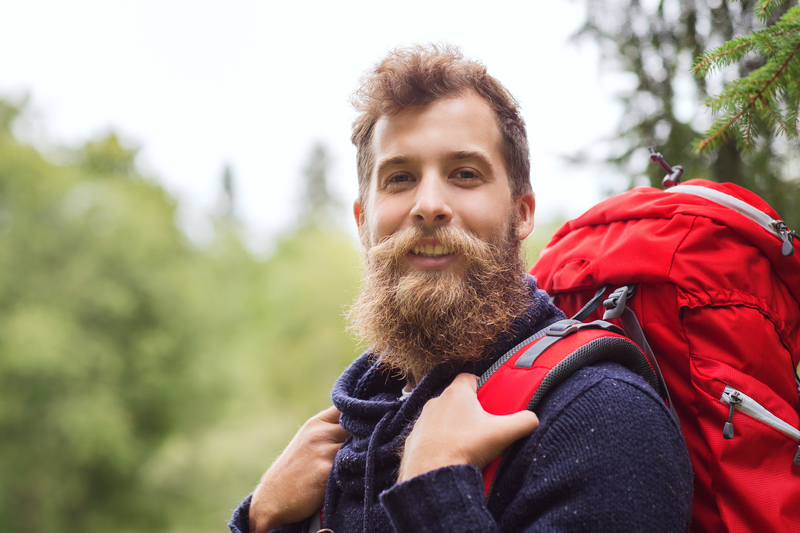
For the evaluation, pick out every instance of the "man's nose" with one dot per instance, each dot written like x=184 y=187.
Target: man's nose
x=431 y=206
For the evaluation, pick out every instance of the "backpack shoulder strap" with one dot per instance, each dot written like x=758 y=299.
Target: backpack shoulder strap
x=526 y=373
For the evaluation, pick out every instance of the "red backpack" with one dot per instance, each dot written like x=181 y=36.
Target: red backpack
x=703 y=276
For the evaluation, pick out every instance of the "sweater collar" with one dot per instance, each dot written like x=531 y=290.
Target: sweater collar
x=368 y=396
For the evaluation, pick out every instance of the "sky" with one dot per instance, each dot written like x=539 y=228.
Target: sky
x=198 y=86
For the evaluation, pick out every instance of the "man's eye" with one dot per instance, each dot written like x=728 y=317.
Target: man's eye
x=465 y=175
x=399 y=178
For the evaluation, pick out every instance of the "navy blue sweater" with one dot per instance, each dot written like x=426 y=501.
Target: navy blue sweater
x=607 y=456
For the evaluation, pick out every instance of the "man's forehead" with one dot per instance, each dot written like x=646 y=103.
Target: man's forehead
x=464 y=125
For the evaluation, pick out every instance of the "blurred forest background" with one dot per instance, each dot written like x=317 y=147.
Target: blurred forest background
x=147 y=381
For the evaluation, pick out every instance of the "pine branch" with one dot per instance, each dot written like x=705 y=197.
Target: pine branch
x=790 y=16
x=765 y=41
x=722 y=57
x=765 y=93
x=775 y=116
x=793 y=108
x=765 y=9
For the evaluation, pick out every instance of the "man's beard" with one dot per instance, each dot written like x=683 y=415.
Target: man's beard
x=420 y=319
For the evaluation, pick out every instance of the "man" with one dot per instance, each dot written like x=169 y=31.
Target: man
x=444 y=202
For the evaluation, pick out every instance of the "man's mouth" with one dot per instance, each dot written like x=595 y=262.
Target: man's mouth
x=431 y=250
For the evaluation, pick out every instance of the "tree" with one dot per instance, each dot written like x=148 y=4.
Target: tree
x=769 y=95
x=101 y=341
x=227 y=206
x=317 y=204
x=657 y=45
x=147 y=382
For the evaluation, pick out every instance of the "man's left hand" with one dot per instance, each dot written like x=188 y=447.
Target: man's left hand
x=454 y=429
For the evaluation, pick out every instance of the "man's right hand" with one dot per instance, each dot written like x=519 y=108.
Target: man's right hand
x=294 y=486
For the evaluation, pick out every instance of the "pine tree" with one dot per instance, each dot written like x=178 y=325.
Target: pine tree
x=657 y=44
x=316 y=202
x=769 y=97
x=227 y=205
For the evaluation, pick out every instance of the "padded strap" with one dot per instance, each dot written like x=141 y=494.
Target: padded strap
x=510 y=386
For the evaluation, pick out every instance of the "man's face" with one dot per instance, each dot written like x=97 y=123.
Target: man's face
x=442 y=274
x=440 y=165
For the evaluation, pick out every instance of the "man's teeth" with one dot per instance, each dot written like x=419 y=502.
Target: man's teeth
x=431 y=250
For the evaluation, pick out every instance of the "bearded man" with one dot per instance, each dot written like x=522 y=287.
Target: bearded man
x=444 y=203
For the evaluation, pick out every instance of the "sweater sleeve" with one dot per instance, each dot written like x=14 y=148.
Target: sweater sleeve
x=240 y=522
x=447 y=499
x=607 y=457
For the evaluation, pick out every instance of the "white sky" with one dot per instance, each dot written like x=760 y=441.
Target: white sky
x=255 y=83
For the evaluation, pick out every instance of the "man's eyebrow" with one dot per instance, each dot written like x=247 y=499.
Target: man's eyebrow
x=458 y=155
x=392 y=161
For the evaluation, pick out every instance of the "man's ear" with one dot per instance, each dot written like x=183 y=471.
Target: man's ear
x=526 y=205
x=358 y=213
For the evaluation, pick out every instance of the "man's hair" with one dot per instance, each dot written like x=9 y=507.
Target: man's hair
x=422 y=74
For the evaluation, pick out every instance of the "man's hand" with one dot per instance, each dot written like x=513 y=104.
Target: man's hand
x=454 y=429
x=294 y=486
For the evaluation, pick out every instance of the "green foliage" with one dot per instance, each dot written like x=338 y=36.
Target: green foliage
x=769 y=97
x=663 y=108
x=535 y=243
x=94 y=342
x=147 y=383
x=8 y=113
x=306 y=284
x=107 y=157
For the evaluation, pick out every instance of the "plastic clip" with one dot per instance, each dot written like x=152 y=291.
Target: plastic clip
x=560 y=329
x=615 y=304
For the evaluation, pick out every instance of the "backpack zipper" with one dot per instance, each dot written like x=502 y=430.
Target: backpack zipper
x=778 y=228
x=739 y=400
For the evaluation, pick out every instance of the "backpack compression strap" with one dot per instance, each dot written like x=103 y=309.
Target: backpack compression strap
x=527 y=372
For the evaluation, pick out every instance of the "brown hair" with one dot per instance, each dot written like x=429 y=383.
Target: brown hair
x=421 y=74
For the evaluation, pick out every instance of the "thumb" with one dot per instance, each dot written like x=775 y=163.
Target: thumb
x=518 y=425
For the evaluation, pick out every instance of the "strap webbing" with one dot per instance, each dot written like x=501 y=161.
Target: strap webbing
x=634 y=331
x=591 y=305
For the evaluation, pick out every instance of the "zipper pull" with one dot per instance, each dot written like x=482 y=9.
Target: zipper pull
x=727 y=429
x=786 y=235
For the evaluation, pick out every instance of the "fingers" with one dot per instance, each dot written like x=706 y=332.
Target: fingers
x=339 y=435
x=331 y=416
x=467 y=380
x=455 y=429
x=294 y=486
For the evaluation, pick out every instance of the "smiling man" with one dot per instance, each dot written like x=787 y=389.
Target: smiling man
x=444 y=203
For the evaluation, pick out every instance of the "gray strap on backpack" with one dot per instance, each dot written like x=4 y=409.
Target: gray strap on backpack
x=616 y=308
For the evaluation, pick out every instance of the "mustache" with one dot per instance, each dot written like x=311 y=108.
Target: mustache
x=459 y=241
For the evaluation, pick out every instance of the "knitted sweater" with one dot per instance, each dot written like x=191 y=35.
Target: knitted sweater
x=607 y=456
